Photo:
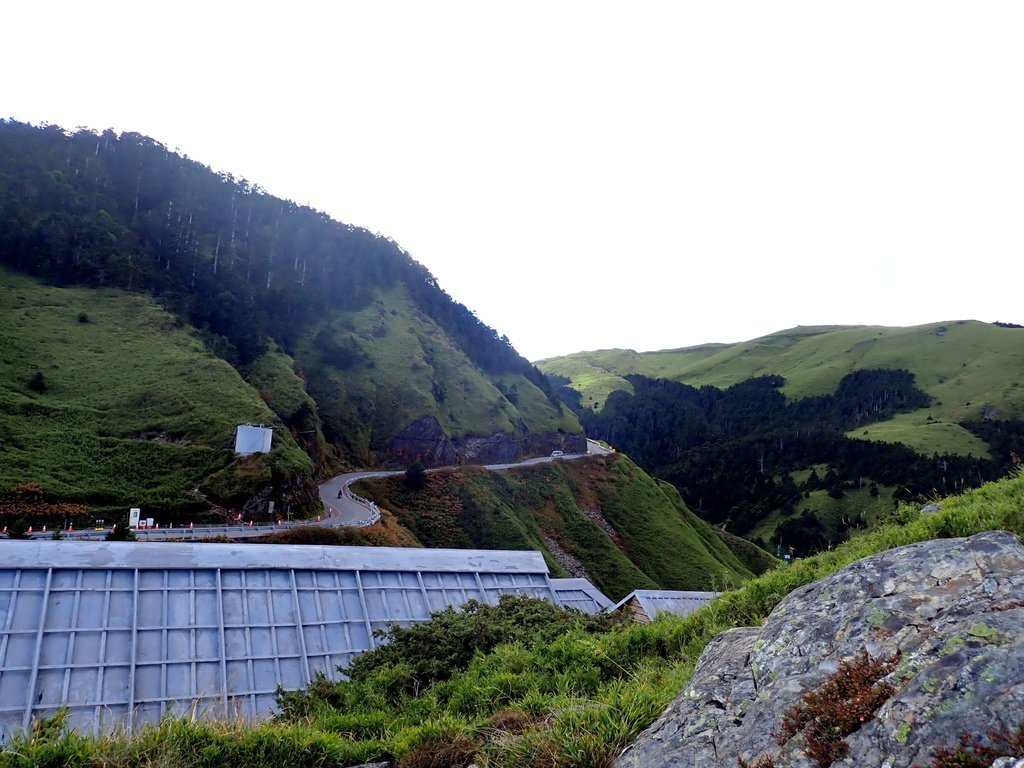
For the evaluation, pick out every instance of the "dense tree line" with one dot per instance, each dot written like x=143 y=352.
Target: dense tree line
x=731 y=451
x=242 y=265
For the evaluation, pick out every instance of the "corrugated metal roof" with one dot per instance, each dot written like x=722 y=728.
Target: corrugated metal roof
x=581 y=595
x=123 y=632
x=655 y=601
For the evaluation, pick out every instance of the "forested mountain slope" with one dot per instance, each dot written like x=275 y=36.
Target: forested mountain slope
x=357 y=351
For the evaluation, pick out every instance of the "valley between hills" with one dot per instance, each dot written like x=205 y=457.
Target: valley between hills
x=149 y=305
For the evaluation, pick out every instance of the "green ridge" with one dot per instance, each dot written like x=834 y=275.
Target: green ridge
x=396 y=365
x=970 y=368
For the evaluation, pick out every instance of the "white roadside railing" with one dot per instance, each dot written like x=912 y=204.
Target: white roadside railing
x=374 y=512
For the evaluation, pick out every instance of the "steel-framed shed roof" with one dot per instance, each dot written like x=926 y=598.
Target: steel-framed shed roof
x=125 y=632
x=655 y=601
x=581 y=595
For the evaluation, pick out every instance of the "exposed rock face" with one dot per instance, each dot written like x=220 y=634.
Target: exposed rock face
x=426 y=441
x=954 y=611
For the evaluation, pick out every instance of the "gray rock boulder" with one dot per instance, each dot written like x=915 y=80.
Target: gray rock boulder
x=950 y=611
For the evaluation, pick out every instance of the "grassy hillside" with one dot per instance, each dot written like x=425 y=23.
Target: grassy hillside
x=575 y=702
x=129 y=407
x=376 y=370
x=602 y=517
x=971 y=369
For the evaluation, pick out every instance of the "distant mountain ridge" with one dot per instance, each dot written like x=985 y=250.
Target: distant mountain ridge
x=971 y=369
x=793 y=438
x=348 y=341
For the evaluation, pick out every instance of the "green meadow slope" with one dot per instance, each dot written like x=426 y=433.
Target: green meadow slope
x=376 y=370
x=128 y=407
x=136 y=410
x=972 y=370
x=601 y=517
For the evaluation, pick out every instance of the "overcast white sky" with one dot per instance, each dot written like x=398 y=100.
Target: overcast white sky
x=589 y=174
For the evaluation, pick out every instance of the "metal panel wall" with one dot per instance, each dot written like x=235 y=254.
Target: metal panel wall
x=124 y=645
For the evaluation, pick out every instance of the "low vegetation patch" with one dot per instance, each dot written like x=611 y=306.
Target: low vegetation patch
x=975 y=752
x=837 y=708
x=421 y=655
x=128 y=409
x=386 y=533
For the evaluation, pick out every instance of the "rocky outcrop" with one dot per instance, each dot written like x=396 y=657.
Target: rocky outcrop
x=426 y=441
x=951 y=614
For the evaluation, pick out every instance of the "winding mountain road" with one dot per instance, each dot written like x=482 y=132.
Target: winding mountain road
x=346 y=508
x=342 y=507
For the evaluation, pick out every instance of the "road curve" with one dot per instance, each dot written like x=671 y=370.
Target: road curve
x=342 y=507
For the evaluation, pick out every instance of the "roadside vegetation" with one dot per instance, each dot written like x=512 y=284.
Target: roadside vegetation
x=602 y=517
x=574 y=700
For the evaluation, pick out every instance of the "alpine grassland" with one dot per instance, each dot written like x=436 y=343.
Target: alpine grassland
x=601 y=517
x=128 y=407
x=970 y=369
x=920 y=429
x=376 y=370
x=567 y=691
x=274 y=375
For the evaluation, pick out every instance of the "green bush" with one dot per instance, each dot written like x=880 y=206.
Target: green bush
x=37 y=383
x=432 y=651
x=416 y=477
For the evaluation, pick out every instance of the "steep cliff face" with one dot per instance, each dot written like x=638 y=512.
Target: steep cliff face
x=948 y=618
x=426 y=441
